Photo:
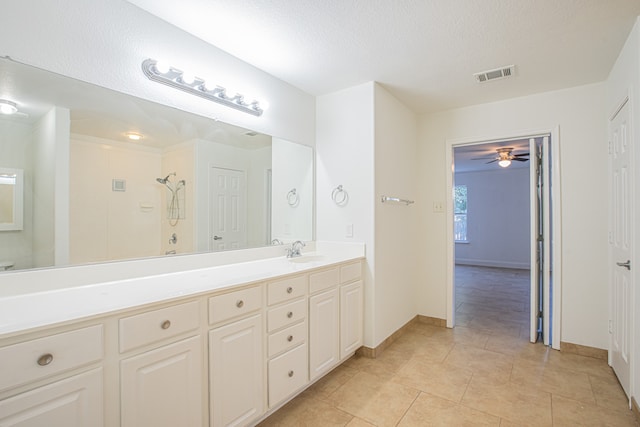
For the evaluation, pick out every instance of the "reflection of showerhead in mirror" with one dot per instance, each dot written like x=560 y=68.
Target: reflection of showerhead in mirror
x=165 y=180
x=180 y=184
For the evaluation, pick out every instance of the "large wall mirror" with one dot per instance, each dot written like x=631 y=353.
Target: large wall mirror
x=106 y=176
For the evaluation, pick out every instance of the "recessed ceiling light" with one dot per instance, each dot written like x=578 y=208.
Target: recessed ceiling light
x=8 y=107
x=133 y=136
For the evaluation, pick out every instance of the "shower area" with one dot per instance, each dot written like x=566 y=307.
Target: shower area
x=129 y=202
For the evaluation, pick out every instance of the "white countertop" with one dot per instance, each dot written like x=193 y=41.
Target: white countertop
x=20 y=313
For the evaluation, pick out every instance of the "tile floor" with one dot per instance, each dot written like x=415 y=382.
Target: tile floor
x=484 y=372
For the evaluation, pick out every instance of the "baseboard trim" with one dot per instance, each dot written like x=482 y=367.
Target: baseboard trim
x=373 y=353
x=635 y=409
x=583 y=350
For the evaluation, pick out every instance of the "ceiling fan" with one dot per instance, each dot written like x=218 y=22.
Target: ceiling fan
x=505 y=157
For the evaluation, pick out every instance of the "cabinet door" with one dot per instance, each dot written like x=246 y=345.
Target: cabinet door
x=72 y=402
x=236 y=372
x=324 y=330
x=351 y=318
x=163 y=387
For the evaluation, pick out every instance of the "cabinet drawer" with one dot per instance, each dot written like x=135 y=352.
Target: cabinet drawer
x=286 y=289
x=287 y=373
x=39 y=358
x=323 y=280
x=233 y=304
x=350 y=272
x=286 y=315
x=157 y=325
x=287 y=338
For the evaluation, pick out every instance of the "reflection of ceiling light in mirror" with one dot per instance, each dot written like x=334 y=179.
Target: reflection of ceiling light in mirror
x=504 y=163
x=8 y=107
x=133 y=136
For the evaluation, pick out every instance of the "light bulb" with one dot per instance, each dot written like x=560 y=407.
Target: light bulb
x=8 y=107
x=504 y=163
x=187 y=78
x=161 y=67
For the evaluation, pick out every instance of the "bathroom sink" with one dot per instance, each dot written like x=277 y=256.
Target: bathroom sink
x=307 y=258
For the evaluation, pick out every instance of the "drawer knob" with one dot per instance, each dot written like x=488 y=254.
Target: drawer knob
x=290 y=314
x=290 y=374
x=290 y=338
x=239 y=304
x=289 y=289
x=166 y=324
x=45 y=359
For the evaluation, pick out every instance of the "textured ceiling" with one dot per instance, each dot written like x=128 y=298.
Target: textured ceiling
x=424 y=51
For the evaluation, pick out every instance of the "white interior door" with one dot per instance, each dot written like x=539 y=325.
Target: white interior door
x=228 y=209
x=620 y=245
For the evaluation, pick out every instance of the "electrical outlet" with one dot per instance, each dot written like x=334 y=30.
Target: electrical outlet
x=438 y=207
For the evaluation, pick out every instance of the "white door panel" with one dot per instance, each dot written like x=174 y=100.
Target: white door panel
x=227 y=195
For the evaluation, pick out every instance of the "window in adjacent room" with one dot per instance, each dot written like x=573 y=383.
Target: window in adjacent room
x=460 y=213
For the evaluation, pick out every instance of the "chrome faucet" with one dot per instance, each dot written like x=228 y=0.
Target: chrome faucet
x=295 y=249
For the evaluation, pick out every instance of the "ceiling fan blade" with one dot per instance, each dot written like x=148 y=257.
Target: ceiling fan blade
x=518 y=159
x=495 y=160
x=520 y=155
x=483 y=158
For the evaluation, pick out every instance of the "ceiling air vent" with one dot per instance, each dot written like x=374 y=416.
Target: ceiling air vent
x=498 y=73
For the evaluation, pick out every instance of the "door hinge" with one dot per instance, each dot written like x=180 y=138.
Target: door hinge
x=610 y=326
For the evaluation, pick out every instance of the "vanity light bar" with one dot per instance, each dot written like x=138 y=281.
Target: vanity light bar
x=196 y=86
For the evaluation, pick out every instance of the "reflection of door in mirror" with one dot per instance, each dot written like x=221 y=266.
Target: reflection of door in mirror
x=228 y=209
x=11 y=197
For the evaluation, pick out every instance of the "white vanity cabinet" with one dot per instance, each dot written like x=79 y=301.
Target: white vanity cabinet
x=351 y=309
x=236 y=384
x=72 y=397
x=162 y=386
x=287 y=365
x=324 y=321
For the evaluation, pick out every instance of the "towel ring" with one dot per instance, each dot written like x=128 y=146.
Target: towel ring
x=292 y=197
x=340 y=196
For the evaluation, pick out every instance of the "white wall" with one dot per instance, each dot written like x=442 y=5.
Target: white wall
x=51 y=189
x=16 y=152
x=292 y=216
x=579 y=114
x=113 y=225
x=396 y=255
x=497 y=218
x=624 y=80
x=105 y=42
x=345 y=156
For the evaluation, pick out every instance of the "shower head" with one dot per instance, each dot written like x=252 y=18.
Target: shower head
x=165 y=180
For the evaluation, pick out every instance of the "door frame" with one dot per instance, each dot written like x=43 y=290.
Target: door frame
x=556 y=210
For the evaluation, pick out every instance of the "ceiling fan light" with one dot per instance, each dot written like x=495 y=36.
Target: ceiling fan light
x=504 y=163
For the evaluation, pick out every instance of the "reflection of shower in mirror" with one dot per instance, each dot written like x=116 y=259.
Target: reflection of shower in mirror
x=174 y=210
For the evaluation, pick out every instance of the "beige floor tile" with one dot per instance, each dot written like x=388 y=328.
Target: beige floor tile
x=568 y=412
x=573 y=385
x=305 y=411
x=358 y=422
x=437 y=379
x=509 y=401
x=373 y=399
x=608 y=392
x=430 y=410
x=480 y=361
x=326 y=385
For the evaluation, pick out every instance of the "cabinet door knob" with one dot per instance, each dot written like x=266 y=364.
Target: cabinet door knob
x=289 y=289
x=290 y=314
x=45 y=359
x=290 y=338
x=240 y=303
x=290 y=374
x=166 y=324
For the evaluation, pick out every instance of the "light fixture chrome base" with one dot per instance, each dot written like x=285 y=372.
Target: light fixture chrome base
x=174 y=78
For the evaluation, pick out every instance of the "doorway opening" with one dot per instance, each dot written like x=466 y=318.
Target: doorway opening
x=504 y=233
